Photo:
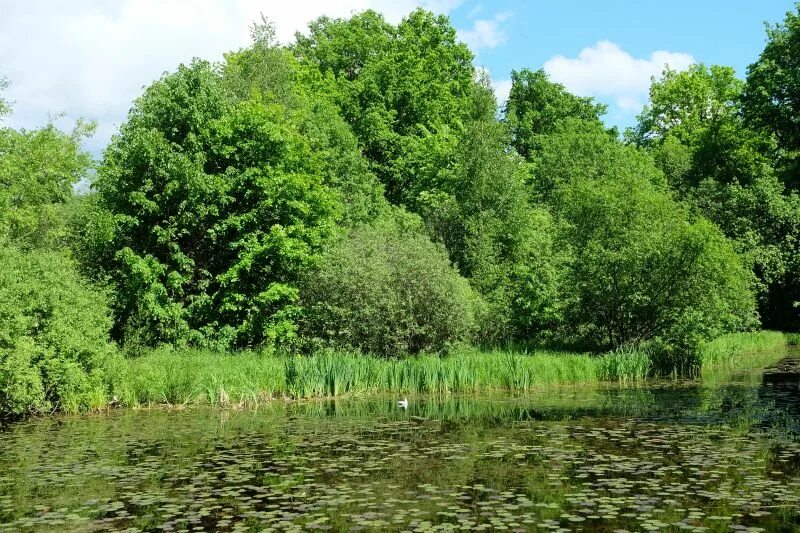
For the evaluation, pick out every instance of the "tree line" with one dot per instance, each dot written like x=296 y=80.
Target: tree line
x=360 y=189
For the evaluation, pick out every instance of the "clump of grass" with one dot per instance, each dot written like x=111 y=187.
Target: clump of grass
x=194 y=376
x=626 y=365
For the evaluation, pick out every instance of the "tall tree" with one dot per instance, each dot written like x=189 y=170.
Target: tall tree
x=392 y=83
x=693 y=126
x=700 y=109
x=640 y=268
x=273 y=74
x=38 y=170
x=771 y=98
x=219 y=206
x=536 y=105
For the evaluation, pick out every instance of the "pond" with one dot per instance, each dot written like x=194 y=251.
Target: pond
x=719 y=454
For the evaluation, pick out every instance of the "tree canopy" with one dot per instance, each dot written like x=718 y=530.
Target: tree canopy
x=392 y=83
x=771 y=97
x=695 y=130
x=536 y=106
x=219 y=204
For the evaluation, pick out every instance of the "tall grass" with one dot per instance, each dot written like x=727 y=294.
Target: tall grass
x=732 y=348
x=625 y=365
x=247 y=378
x=192 y=376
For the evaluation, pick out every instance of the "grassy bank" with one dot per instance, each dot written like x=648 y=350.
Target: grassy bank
x=736 y=349
x=247 y=378
x=189 y=377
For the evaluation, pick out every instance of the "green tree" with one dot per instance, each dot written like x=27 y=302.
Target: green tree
x=640 y=269
x=536 y=106
x=271 y=72
x=392 y=83
x=5 y=108
x=578 y=149
x=219 y=206
x=38 y=169
x=694 y=128
x=471 y=193
x=700 y=108
x=771 y=98
x=764 y=221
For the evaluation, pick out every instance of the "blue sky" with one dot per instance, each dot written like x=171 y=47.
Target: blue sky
x=91 y=58
x=710 y=31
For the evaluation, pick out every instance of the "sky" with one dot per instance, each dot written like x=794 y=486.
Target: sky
x=90 y=59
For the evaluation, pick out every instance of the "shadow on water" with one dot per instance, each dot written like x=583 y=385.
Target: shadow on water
x=716 y=455
x=781 y=388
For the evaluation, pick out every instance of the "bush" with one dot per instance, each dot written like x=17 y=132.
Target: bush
x=54 y=352
x=387 y=289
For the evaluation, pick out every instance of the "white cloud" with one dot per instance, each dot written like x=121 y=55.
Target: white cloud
x=608 y=72
x=475 y=10
x=501 y=90
x=485 y=33
x=91 y=58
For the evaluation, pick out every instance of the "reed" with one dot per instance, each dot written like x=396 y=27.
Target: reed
x=247 y=378
x=194 y=376
x=184 y=377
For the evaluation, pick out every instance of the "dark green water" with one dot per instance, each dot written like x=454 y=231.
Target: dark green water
x=720 y=455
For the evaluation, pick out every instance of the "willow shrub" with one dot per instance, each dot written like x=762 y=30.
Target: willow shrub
x=54 y=349
x=387 y=289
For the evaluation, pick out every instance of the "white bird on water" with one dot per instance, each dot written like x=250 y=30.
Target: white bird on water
x=402 y=404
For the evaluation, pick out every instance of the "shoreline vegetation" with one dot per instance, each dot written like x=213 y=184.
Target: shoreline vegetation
x=362 y=197
x=246 y=379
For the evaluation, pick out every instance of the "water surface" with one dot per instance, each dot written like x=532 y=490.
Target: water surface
x=722 y=454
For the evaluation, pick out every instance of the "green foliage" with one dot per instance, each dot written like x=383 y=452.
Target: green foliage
x=54 y=352
x=272 y=73
x=391 y=82
x=219 y=206
x=38 y=169
x=471 y=194
x=5 y=108
x=387 y=290
x=699 y=108
x=694 y=129
x=764 y=221
x=771 y=99
x=536 y=106
x=639 y=267
x=578 y=150
x=262 y=68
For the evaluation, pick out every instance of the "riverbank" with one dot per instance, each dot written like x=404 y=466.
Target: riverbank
x=249 y=378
